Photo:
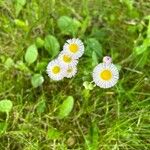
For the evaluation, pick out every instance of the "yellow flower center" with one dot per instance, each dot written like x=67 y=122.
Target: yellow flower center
x=56 y=69
x=73 y=48
x=67 y=59
x=106 y=75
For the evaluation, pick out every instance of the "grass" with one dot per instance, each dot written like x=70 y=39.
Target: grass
x=112 y=119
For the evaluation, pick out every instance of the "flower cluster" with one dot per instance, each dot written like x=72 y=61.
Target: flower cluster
x=65 y=65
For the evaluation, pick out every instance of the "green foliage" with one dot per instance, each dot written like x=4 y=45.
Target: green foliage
x=9 y=63
x=21 y=24
x=66 y=107
x=144 y=47
x=53 y=133
x=93 y=46
x=68 y=25
x=41 y=66
x=88 y=85
x=51 y=44
x=37 y=80
x=44 y=116
x=19 y=5
x=39 y=42
x=92 y=139
x=5 y=106
x=41 y=107
x=31 y=54
x=3 y=127
x=22 y=67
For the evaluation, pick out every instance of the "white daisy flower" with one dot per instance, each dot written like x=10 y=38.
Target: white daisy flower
x=71 y=72
x=55 y=70
x=105 y=75
x=74 y=47
x=67 y=60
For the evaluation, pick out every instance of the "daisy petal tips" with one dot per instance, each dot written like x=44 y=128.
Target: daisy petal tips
x=74 y=47
x=106 y=74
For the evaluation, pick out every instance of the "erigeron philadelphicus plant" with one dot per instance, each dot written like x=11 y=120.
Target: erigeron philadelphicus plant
x=106 y=74
x=65 y=65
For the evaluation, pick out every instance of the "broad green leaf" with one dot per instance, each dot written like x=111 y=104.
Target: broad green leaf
x=128 y=3
x=99 y=34
x=53 y=133
x=31 y=54
x=37 y=80
x=41 y=106
x=94 y=59
x=22 y=67
x=3 y=127
x=2 y=58
x=148 y=28
x=66 y=107
x=19 y=5
x=39 y=42
x=68 y=25
x=93 y=45
x=142 y=48
x=92 y=139
x=88 y=85
x=85 y=24
x=41 y=66
x=75 y=25
x=51 y=44
x=9 y=63
x=64 y=24
x=21 y=24
x=5 y=106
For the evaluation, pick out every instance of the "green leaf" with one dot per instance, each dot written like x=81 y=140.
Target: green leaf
x=5 y=106
x=39 y=42
x=21 y=24
x=148 y=28
x=93 y=45
x=64 y=24
x=41 y=107
x=3 y=127
x=68 y=25
x=22 y=67
x=51 y=44
x=128 y=3
x=41 y=66
x=85 y=24
x=37 y=80
x=9 y=63
x=99 y=34
x=66 y=107
x=53 y=133
x=88 y=85
x=142 y=48
x=31 y=54
x=92 y=139
x=94 y=59
x=19 y=5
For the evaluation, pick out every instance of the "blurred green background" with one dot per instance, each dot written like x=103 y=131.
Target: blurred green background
x=37 y=113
